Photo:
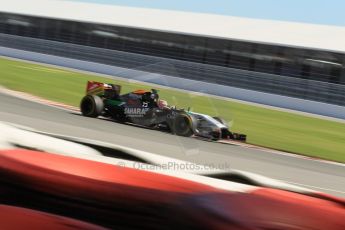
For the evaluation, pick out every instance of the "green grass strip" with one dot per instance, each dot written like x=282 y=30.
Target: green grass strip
x=265 y=127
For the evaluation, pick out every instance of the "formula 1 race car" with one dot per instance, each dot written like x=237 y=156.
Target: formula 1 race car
x=144 y=108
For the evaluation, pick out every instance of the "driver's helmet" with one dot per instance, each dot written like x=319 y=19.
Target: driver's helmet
x=108 y=91
x=154 y=97
x=162 y=104
x=107 y=86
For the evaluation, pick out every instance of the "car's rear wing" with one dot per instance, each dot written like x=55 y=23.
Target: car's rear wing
x=100 y=89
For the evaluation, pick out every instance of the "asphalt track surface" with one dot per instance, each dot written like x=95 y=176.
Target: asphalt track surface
x=322 y=176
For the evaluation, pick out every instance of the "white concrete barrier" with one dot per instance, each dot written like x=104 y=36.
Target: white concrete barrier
x=186 y=84
x=12 y=138
x=78 y=147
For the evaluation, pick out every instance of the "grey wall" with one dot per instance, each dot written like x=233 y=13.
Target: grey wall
x=307 y=89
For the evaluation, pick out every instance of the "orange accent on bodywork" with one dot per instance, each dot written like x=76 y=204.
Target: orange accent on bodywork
x=141 y=91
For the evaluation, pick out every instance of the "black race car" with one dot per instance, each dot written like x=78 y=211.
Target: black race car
x=144 y=108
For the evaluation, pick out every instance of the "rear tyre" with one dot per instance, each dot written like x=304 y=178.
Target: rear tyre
x=183 y=126
x=91 y=106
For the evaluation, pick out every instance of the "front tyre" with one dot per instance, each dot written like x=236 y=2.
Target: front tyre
x=182 y=126
x=91 y=106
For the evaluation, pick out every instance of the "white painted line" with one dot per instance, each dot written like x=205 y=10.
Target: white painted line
x=315 y=187
x=274 y=151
